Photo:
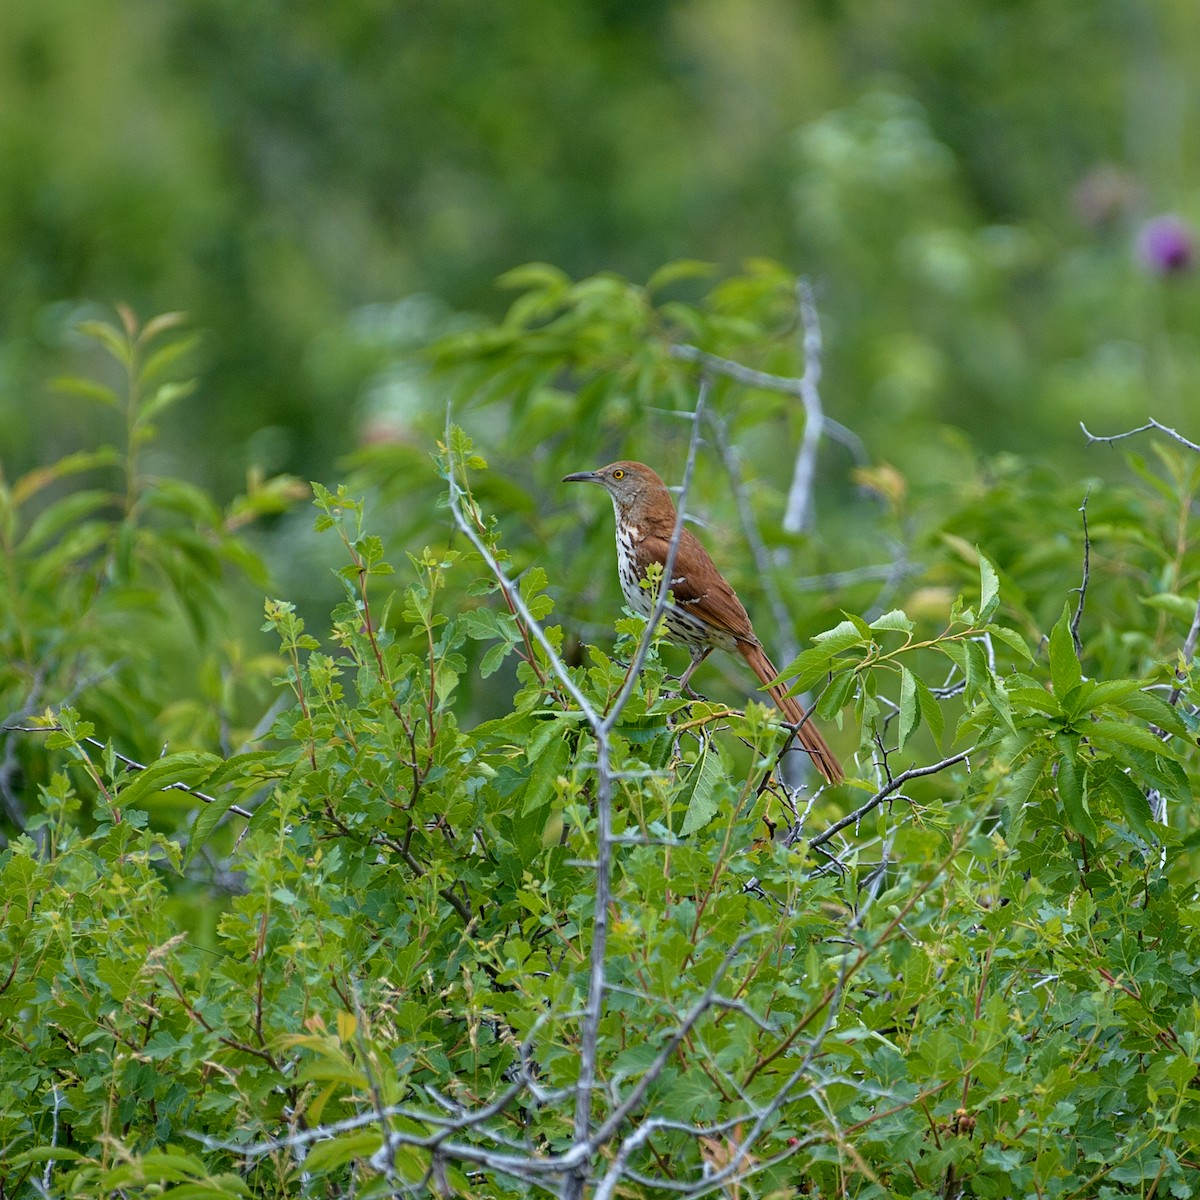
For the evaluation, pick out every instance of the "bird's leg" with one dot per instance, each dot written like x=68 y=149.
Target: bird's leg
x=697 y=658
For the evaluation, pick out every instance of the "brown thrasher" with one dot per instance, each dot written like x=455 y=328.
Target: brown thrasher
x=705 y=613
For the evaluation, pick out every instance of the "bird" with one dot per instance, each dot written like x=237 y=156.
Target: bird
x=704 y=612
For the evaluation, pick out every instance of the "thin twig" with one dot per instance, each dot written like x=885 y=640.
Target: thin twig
x=1087 y=571
x=1150 y=424
x=132 y=764
x=884 y=792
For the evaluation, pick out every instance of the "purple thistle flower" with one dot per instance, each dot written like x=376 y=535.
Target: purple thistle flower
x=1166 y=245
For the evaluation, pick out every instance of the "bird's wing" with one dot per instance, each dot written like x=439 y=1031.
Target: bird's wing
x=697 y=585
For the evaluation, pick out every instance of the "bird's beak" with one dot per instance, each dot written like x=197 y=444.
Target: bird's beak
x=582 y=477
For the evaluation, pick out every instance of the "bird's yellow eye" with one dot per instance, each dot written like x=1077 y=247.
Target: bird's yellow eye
x=618 y=474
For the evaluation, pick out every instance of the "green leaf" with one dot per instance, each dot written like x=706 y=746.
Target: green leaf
x=160 y=324
x=897 y=620
x=1178 y=606
x=208 y=819
x=1071 y=791
x=164 y=358
x=931 y=710
x=672 y=272
x=834 y=698
x=163 y=397
x=110 y=338
x=1019 y=787
x=1133 y=803
x=532 y=275
x=481 y=624
x=1065 y=671
x=1035 y=699
x=842 y=636
x=67 y=513
x=71 y=464
x=1166 y=774
x=228 y=1187
x=1112 y=691
x=45 y=1154
x=188 y=767
x=494 y=658
x=910 y=711
x=699 y=792
x=338 y=1151
x=1154 y=709
x=1127 y=735
x=89 y=389
x=546 y=766
x=1012 y=639
x=807 y=668
x=989 y=587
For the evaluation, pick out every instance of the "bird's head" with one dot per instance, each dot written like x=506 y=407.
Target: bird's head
x=628 y=483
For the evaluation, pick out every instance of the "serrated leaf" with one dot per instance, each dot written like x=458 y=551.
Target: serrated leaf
x=1112 y=692
x=897 y=620
x=1023 y=780
x=481 y=624
x=989 y=587
x=1012 y=639
x=1065 y=671
x=910 y=711
x=1127 y=734
x=1035 y=699
x=206 y=821
x=699 y=792
x=547 y=766
x=931 y=710
x=1164 y=773
x=834 y=698
x=807 y=668
x=1154 y=709
x=842 y=636
x=1071 y=792
x=1133 y=803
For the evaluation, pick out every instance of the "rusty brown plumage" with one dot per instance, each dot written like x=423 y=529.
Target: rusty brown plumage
x=706 y=613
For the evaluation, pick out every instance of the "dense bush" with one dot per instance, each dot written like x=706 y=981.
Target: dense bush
x=486 y=913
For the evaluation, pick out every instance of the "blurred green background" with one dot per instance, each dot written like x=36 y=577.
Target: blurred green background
x=321 y=186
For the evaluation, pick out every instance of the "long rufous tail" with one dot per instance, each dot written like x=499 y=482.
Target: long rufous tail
x=807 y=734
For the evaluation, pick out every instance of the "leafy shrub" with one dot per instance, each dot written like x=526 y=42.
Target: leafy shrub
x=602 y=941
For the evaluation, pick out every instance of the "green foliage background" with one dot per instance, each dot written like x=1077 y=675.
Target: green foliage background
x=266 y=895
x=288 y=173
